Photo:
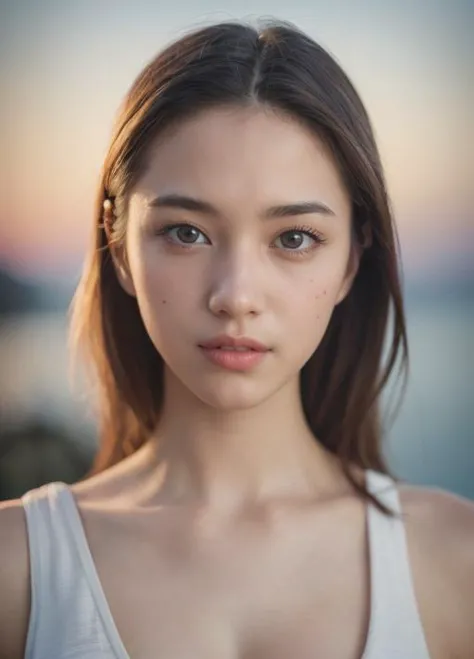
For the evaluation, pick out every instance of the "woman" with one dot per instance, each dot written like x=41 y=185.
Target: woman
x=234 y=304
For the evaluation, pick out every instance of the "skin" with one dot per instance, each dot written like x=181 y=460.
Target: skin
x=242 y=530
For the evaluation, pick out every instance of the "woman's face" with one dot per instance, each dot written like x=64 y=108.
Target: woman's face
x=248 y=260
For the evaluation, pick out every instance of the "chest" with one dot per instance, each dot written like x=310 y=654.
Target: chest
x=239 y=594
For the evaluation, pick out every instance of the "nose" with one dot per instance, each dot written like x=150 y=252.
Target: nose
x=235 y=290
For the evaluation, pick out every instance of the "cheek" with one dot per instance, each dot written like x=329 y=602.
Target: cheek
x=321 y=287
x=324 y=294
x=312 y=304
x=164 y=292
x=157 y=280
x=325 y=283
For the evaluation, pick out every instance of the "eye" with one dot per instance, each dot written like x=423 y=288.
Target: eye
x=295 y=239
x=185 y=234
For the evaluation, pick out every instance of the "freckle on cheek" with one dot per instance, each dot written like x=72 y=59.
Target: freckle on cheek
x=163 y=301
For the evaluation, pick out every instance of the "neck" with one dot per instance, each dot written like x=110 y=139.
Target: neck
x=227 y=459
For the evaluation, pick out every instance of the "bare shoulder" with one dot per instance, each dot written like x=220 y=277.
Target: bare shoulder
x=442 y=522
x=14 y=580
x=440 y=536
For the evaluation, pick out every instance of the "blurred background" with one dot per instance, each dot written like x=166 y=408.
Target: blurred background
x=64 y=69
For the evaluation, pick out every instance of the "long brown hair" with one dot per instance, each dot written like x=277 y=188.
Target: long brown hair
x=279 y=66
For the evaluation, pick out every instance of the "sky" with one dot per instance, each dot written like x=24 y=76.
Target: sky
x=65 y=67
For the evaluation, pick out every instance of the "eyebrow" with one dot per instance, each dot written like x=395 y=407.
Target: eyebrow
x=199 y=206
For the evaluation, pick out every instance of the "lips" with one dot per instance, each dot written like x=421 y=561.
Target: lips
x=232 y=343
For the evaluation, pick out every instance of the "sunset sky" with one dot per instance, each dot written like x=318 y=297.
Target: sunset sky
x=66 y=65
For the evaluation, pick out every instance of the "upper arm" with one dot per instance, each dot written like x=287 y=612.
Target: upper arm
x=440 y=535
x=14 y=580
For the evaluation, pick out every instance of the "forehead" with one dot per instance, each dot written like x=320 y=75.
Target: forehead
x=244 y=155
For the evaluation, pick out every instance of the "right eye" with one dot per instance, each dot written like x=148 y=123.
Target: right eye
x=185 y=234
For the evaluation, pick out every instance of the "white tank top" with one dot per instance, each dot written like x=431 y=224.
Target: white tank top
x=70 y=616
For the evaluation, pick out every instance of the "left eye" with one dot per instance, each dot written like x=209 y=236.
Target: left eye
x=296 y=239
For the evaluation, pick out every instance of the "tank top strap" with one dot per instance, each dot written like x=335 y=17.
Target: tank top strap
x=51 y=569
x=67 y=604
x=395 y=628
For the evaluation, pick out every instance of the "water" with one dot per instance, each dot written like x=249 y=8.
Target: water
x=431 y=441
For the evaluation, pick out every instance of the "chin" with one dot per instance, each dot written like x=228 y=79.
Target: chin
x=233 y=396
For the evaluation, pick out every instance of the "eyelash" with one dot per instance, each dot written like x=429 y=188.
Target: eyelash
x=308 y=231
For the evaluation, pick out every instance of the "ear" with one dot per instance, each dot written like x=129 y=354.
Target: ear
x=357 y=249
x=117 y=251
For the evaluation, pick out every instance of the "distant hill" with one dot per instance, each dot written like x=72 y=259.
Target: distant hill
x=446 y=289
x=16 y=296
x=20 y=296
